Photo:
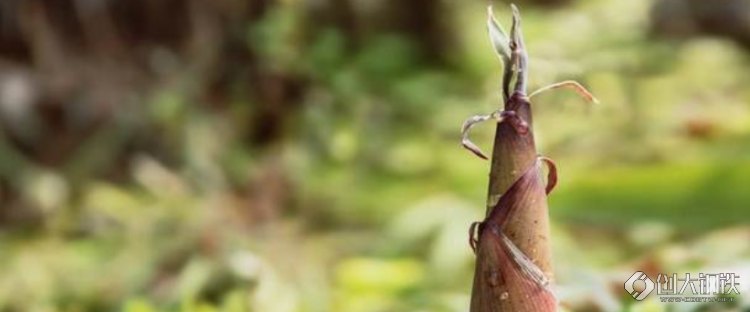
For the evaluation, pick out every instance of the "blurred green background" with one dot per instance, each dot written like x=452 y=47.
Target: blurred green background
x=303 y=155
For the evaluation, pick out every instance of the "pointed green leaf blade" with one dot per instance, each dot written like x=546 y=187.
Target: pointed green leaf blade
x=498 y=37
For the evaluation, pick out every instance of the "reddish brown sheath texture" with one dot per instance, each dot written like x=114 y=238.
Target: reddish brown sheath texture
x=500 y=283
x=520 y=213
x=514 y=254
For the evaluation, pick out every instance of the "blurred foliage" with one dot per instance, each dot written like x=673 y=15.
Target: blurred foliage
x=321 y=170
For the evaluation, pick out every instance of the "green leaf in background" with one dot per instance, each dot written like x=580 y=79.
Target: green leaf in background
x=379 y=275
x=690 y=197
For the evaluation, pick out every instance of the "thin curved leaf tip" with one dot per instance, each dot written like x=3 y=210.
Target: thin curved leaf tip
x=498 y=37
x=568 y=84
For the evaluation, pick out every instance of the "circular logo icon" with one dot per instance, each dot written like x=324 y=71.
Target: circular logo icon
x=639 y=295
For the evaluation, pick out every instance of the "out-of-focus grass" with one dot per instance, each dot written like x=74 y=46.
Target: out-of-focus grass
x=692 y=198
